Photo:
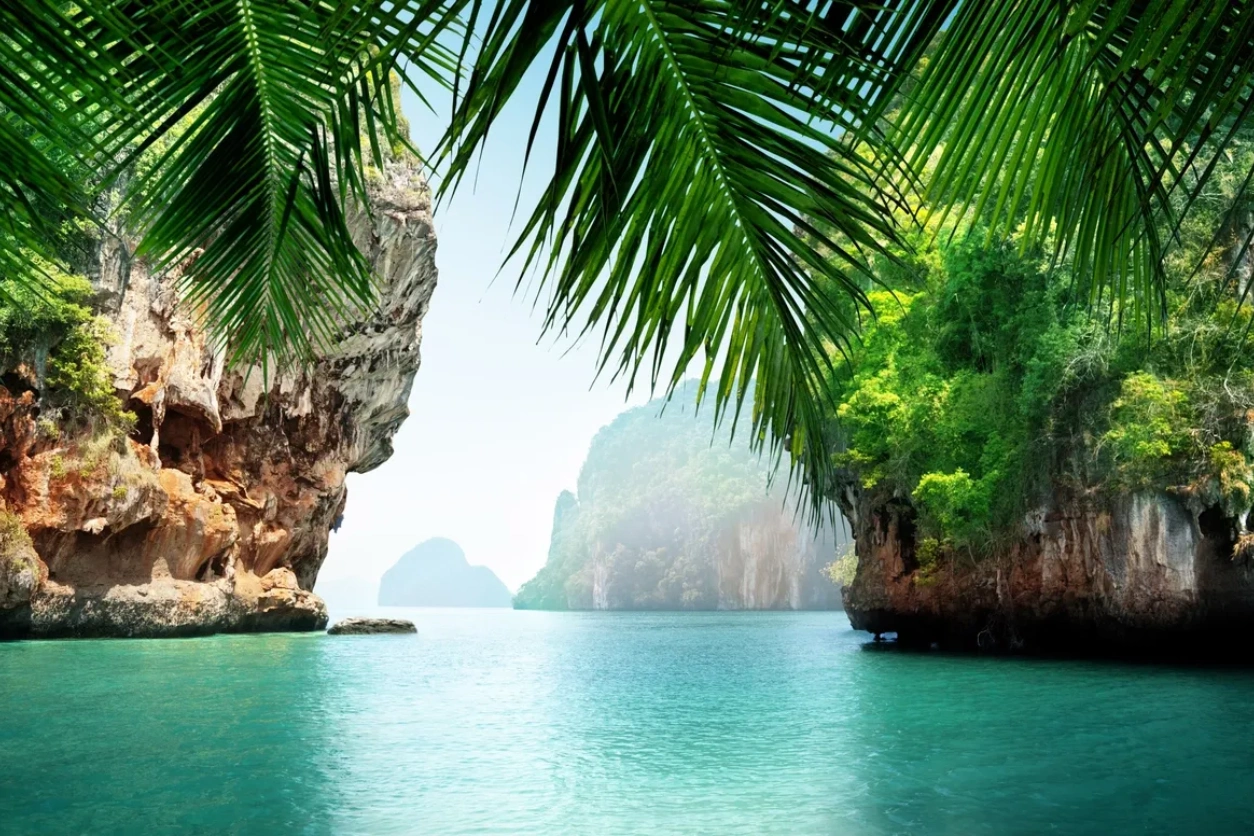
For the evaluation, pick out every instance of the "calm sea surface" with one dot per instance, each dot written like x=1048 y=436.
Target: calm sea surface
x=522 y=722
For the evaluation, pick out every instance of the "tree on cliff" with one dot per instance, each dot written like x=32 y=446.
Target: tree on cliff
x=712 y=156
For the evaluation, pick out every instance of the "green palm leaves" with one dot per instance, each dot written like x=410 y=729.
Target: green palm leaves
x=722 y=173
x=1093 y=126
x=237 y=133
x=702 y=177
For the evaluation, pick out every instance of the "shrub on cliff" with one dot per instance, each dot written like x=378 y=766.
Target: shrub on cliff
x=984 y=387
x=19 y=564
x=51 y=340
x=953 y=390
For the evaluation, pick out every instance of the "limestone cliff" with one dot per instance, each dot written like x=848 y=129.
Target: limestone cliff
x=762 y=558
x=1141 y=572
x=214 y=514
x=758 y=557
x=672 y=516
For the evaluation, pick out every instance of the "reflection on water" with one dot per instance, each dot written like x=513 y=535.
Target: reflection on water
x=517 y=722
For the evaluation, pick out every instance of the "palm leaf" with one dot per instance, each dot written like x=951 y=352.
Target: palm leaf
x=702 y=174
x=256 y=122
x=46 y=101
x=1089 y=125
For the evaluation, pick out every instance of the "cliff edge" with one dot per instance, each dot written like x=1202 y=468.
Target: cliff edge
x=213 y=513
x=1142 y=573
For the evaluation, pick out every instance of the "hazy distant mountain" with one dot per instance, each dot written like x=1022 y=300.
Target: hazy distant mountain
x=671 y=514
x=436 y=574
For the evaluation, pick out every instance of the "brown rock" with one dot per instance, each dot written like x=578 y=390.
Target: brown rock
x=215 y=515
x=1140 y=573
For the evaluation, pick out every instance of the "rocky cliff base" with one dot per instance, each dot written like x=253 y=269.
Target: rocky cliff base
x=167 y=608
x=1147 y=575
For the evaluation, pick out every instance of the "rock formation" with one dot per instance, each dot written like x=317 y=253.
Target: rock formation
x=1145 y=572
x=370 y=626
x=435 y=574
x=214 y=515
x=673 y=513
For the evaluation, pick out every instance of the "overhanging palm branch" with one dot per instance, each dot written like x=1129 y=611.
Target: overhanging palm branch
x=36 y=197
x=702 y=160
x=47 y=98
x=706 y=160
x=1092 y=125
x=255 y=122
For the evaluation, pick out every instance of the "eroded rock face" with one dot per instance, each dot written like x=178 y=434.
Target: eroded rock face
x=773 y=561
x=1145 y=573
x=215 y=514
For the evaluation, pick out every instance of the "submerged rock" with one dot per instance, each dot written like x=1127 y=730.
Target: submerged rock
x=364 y=626
x=214 y=514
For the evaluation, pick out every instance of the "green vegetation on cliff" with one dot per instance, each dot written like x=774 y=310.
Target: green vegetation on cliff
x=659 y=495
x=986 y=384
x=53 y=342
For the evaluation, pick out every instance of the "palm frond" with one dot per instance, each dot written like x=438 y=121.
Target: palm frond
x=241 y=129
x=1089 y=125
x=703 y=159
x=36 y=198
x=47 y=100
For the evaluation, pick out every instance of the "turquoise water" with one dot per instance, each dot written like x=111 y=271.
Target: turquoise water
x=523 y=722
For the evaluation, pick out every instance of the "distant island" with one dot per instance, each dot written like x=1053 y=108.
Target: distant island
x=435 y=574
x=671 y=515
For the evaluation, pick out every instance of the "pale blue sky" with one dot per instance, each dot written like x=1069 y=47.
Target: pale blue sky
x=499 y=424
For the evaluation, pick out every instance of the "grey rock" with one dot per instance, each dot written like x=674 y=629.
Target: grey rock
x=435 y=574
x=366 y=626
x=164 y=608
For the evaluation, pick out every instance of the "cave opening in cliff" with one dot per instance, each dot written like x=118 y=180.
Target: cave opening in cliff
x=213 y=568
x=142 y=432
x=16 y=383
x=1218 y=528
x=907 y=537
x=181 y=444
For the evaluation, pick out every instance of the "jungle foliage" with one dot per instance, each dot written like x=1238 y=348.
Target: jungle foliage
x=52 y=342
x=987 y=384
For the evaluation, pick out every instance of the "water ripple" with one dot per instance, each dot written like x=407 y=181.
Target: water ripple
x=512 y=722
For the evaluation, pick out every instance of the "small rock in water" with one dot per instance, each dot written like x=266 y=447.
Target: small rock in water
x=362 y=626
